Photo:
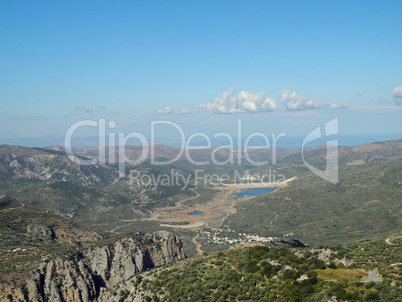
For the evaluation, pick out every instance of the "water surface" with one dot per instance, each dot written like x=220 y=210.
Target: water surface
x=195 y=212
x=254 y=192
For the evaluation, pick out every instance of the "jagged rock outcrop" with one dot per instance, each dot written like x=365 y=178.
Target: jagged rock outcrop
x=91 y=274
x=62 y=280
x=100 y=263
x=166 y=249
x=40 y=231
x=135 y=254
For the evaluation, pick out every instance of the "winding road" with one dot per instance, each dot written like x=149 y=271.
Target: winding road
x=197 y=245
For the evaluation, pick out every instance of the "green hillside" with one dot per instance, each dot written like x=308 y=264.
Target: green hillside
x=263 y=273
x=366 y=203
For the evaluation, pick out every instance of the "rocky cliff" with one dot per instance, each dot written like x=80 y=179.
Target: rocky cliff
x=91 y=273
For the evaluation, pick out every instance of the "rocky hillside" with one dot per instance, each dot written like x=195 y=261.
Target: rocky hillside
x=263 y=273
x=41 y=164
x=48 y=179
x=90 y=272
x=44 y=257
x=25 y=226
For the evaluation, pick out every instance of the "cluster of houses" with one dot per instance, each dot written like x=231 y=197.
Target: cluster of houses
x=242 y=238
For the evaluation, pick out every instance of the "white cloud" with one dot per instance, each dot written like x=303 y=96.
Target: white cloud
x=229 y=103
x=397 y=94
x=182 y=111
x=166 y=110
x=292 y=101
x=337 y=106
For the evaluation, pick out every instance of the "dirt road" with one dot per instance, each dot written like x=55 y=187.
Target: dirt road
x=197 y=245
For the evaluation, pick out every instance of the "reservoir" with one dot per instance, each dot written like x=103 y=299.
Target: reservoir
x=254 y=192
x=195 y=212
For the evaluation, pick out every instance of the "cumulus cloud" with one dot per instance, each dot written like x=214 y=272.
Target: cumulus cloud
x=182 y=111
x=397 y=94
x=166 y=110
x=292 y=101
x=337 y=106
x=229 y=103
x=89 y=109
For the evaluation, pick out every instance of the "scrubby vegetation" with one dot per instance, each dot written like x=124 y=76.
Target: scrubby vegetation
x=261 y=273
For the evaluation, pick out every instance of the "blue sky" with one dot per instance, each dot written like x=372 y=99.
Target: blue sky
x=280 y=66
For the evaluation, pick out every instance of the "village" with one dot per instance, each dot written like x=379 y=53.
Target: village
x=231 y=238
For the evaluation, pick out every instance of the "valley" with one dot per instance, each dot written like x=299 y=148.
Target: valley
x=304 y=207
x=48 y=217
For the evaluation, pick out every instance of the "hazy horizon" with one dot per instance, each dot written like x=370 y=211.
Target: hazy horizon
x=287 y=142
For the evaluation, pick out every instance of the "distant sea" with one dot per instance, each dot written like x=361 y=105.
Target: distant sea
x=284 y=142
